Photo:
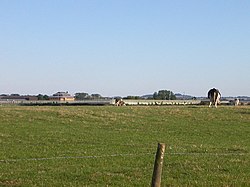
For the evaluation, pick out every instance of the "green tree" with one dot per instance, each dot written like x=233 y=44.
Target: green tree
x=81 y=96
x=132 y=97
x=42 y=97
x=96 y=96
x=155 y=95
x=164 y=95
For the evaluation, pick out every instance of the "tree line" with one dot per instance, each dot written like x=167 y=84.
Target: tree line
x=160 y=95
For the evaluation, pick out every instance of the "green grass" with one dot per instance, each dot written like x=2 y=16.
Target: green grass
x=115 y=146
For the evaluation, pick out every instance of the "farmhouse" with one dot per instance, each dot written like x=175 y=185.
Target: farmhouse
x=61 y=96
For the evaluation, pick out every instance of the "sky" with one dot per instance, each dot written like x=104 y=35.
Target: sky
x=124 y=47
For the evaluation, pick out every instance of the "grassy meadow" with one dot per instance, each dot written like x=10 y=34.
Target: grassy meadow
x=115 y=146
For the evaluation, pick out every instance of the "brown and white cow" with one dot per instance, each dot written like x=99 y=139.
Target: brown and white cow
x=119 y=102
x=214 y=95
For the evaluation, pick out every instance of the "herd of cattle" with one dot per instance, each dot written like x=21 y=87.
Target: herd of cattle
x=214 y=96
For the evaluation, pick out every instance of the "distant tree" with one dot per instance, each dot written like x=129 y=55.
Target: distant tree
x=46 y=97
x=81 y=96
x=132 y=97
x=164 y=95
x=42 y=97
x=172 y=96
x=14 y=94
x=155 y=95
x=96 y=96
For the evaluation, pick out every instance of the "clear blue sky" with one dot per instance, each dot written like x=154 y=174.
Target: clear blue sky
x=125 y=47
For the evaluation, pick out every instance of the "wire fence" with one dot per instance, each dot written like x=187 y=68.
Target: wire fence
x=123 y=155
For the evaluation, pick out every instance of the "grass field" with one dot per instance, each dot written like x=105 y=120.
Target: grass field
x=115 y=146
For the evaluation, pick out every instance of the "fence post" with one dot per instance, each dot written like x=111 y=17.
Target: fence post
x=156 y=179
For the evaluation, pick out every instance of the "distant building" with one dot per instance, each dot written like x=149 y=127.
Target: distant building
x=61 y=96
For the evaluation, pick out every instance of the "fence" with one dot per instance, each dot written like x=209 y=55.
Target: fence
x=157 y=169
x=161 y=102
x=121 y=155
x=128 y=102
x=103 y=102
x=51 y=102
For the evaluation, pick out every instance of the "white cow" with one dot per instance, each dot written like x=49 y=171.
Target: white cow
x=236 y=102
x=214 y=95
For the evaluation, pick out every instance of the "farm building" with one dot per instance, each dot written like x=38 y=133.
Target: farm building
x=61 y=96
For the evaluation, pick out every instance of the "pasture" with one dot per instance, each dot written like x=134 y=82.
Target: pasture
x=115 y=146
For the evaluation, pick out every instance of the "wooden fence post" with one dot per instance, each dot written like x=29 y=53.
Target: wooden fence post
x=156 y=179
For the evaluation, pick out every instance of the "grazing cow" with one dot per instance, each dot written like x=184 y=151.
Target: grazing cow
x=236 y=102
x=214 y=96
x=119 y=102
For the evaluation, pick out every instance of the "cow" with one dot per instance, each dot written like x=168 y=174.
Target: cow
x=214 y=95
x=236 y=102
x=119 y=102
